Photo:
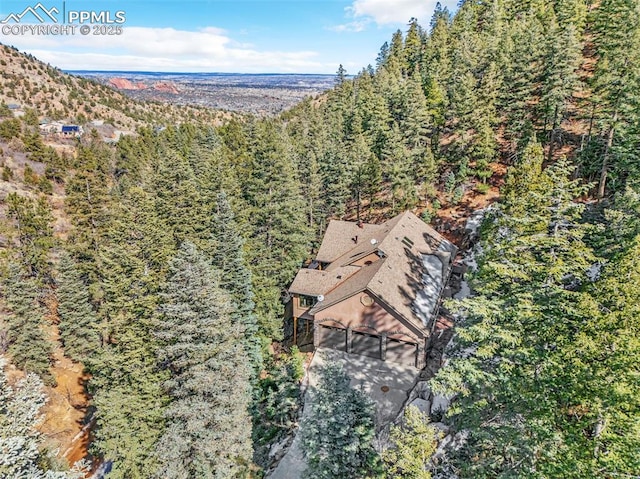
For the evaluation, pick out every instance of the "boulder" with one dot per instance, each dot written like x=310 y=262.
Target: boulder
x=440 y=403
x=279 y=449
x=459 y=440
x=420 y=390
x=423 y=405
x=442 y=427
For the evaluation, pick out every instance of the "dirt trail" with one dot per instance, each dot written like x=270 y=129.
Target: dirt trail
x=64 y=424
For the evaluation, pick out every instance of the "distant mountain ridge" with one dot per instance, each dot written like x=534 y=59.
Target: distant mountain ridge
x=261 y=93
x=31 y=84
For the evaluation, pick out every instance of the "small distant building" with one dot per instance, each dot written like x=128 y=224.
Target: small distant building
x=71 y=130
x=51 y=128
x=13 y=106
x=372 y=290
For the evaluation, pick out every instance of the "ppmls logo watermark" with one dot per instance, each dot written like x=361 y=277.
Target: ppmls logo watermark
x=40 y=20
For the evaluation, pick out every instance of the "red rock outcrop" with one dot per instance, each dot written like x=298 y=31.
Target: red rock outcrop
x=165 y=87
x=124 y=84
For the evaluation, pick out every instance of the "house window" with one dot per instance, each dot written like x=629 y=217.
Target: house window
x=307 y=301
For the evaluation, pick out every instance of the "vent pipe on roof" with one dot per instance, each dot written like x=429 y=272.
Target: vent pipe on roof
x=320 y=297
x=374 y=241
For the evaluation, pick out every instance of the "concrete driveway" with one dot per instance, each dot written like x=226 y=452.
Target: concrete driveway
x=388 y=384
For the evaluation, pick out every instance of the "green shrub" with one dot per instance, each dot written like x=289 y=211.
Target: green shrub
x=427 y=216
x=10 y=129
x=45 y=185
x=449 y=182
x=458 y=193
x=30 y=176
x=483 y=188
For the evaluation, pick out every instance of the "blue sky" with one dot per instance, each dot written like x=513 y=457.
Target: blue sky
x=246 y=36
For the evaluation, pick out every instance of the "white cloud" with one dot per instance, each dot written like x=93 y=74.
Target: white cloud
x=385 y=12
x=355 y=26
x=162 y=49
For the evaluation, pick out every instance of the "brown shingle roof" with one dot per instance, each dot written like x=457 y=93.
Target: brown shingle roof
x=354 y=284
x=338 y=238
x=313 y=282
x=415 y=261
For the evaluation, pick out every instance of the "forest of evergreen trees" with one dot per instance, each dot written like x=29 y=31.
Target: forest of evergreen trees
x=169 y=287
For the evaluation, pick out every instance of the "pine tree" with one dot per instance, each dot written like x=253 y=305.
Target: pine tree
x=88 y=205
x=372 y=180
x=209 y=429
x=615 y=80
x=571 y=13
x=228 y=258
x=341 y=75
x=126 y=383
x=561 y=61
x=35 y=235
x=279 y=235
x=606 y=436
x=413 y=47
x=28 y=344
x=78 y=321
x=337 y=434
x=513 y=348
x=525 y=180
x=522 y=66
x=179 y=200
x=413 y=445
x=383 y=55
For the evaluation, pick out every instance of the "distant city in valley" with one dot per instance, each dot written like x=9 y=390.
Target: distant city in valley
x=263 y=93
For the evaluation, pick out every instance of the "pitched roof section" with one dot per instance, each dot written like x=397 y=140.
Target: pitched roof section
x=354 y=284
x=339 y=238
x=313 y=282
x=415 y=261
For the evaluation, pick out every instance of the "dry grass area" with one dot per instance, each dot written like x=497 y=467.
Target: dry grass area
x=16 y=161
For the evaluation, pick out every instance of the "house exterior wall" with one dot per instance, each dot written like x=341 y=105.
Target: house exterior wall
x=289 y=309
x=293 y=309
x=352 y=313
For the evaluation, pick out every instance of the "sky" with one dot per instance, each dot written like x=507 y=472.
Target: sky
x=241 y=36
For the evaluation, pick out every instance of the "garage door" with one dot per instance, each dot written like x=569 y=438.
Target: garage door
x=365 y=344
x=334 y=338
x=401 y=352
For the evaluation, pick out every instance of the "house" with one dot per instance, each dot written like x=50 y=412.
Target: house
x=71 y=130
x=372 y=290
x=51 y=128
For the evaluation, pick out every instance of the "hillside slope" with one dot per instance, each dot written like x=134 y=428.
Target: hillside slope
x=30 y=83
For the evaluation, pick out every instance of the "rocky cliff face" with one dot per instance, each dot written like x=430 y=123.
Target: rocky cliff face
x=126 y=84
